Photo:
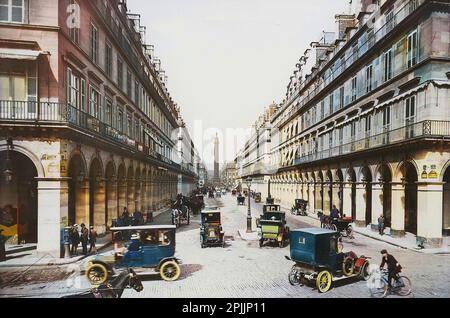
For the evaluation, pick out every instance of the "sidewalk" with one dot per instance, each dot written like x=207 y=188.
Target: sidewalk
x=408 y=242
x=27 y=256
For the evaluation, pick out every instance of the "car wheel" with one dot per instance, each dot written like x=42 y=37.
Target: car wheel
x=365 y=271
x=294 y=277
x=348 y=266
x=170 y=271
x=261 y=243
x=97 y=274
x=323 y=281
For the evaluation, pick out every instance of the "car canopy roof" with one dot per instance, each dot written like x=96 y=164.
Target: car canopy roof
x=144 y=227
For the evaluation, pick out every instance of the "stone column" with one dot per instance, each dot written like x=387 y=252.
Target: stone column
x=99 y=207
x=112 y=197
x=347 y=198
x=82 y=202
x=327 y=192
x=53 y=198
x=430 y=204
x=377 y=204
x=360 y=204
x=398 y=210
x=312 y=198
x=336 y=187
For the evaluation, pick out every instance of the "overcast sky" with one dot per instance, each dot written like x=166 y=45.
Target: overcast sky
x=228 y=59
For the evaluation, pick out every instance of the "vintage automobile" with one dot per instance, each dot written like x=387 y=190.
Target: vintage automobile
x=342 y=225
x=218 y=194
x=233 y=192
x=272 y=226
x=300 y=207
x=211 y=231
x=211 y=194
x=146 y=249
x=318 y=260
x=258 y=197
x=241 y=199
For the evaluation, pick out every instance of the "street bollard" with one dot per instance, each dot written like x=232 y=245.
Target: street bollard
x=67 y=254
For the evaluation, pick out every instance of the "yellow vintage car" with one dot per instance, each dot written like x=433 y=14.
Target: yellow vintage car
x=272 y=226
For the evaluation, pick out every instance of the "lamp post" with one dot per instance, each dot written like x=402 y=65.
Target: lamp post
x=249 y=212
x=8 y=173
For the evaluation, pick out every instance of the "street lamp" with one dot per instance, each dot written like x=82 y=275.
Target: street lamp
x=249 y=212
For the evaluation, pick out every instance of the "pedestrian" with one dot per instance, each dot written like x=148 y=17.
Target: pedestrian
x=381 y=225
x=92 y=240
x=2 y=247
x=84 y=238
x=74 y=240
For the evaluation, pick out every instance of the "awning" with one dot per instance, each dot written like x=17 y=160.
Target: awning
x=20 y=54
x=401 y=96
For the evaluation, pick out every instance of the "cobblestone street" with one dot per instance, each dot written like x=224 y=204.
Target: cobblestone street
x=240 y=270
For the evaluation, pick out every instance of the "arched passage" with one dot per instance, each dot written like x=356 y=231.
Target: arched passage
x=386 y=179
x=410 y=179
x=78 y=187
x=446 y=209
x=97 y=215
x=367 y=180
x=18 y=197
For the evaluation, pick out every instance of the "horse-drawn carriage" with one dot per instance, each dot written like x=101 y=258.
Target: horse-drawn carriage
x=146 y=249
x=300 y=207
x=318 y=260
x=181 y=211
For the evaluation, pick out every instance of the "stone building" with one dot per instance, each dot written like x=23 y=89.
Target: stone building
x=366 y=121
x=85 y=119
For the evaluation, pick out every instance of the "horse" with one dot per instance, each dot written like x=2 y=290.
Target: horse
x=125 y=280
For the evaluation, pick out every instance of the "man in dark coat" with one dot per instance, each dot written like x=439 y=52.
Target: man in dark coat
x=393 y=266
x=74 y=237
x=84 y=238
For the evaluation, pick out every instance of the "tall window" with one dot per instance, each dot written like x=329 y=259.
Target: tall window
x=412 y=49
x=129 y=126
x=108 y=111
x=120 y=73
x=341 y=97
x=94 y=102
x=136 y=93
x=331 y=103
x=12 y=11
x=74 y=31
x=129 y=84
x=73 y=89
x=387 y=75
x=368 y=127
x=354 y=88
x=94 y=44
x=108 y=59
x=390 y=22
x=410 y=110
x=387 y=117
x=120 y=120
x=369 y=78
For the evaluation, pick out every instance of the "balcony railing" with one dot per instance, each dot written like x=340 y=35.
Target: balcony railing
x=428 y=128
x=43 y=113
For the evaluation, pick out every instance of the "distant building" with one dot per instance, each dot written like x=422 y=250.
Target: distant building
x=216 y=178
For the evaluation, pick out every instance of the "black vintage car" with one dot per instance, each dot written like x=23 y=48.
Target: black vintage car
x=211 y=231
x=241 y=199
x=300 y=207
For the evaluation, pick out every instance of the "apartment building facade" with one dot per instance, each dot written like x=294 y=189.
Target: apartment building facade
x=368 y=128
x=86 y=119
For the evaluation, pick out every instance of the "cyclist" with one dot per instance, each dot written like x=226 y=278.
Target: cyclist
x=394 y=267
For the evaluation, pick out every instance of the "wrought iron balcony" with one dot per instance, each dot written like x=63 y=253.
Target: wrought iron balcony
x=420 y=130
x=29 y=113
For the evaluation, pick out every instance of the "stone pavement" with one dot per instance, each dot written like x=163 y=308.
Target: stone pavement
x=240 y=270
x=407 y=242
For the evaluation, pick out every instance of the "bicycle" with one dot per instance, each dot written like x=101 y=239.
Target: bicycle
x=380 y=287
